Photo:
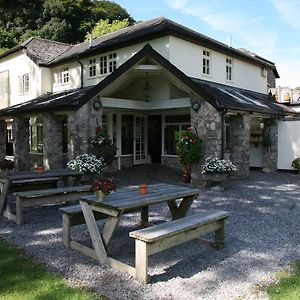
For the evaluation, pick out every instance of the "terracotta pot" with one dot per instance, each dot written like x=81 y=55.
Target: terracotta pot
x=143 y=189
x=40 y=169
x=100 y=196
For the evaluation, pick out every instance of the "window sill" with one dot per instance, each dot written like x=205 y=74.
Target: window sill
x=36 y=153
x=169 y=155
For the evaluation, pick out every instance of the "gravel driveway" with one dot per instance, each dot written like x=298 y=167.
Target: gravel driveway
x=263 y=235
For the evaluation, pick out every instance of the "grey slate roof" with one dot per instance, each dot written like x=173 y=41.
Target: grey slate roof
x=41 y=51
x=222 y=97
x=144 y=31
x=49 y=102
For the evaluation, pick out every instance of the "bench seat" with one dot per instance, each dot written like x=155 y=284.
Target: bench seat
x=48 y=196
x=151 y=240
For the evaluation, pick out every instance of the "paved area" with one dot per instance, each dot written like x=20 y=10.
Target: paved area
x=263 y=236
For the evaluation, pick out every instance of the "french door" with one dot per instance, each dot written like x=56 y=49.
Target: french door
x=140 y=148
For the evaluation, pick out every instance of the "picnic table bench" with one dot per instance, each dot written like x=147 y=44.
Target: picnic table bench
x=151 y=240
x=47 y=196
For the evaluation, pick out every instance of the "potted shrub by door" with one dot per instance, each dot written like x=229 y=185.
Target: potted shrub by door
x=216 y=170
x=103 y=187
x=188 y=150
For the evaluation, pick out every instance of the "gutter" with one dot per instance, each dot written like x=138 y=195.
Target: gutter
x=81 y=72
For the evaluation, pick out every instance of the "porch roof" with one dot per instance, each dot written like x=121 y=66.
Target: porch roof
x=222 y=97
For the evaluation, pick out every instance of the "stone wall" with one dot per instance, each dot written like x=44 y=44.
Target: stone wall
x=171 y=162
x=82 y=126
x=2 y=139
x=271 y=145
x=207 y=122
x=21 y=144
x=52 y=137
x=240 y=144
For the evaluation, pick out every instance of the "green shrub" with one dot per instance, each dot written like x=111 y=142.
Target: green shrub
x=296 y=164
x=188 y=148
x=103 y=147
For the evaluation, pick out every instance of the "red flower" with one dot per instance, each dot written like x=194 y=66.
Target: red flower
x=106 y=185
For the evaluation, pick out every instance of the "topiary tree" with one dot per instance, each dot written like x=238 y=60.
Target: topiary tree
x=188 y=150
x=102 y=147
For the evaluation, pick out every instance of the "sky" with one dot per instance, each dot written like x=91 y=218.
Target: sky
x=269 y=28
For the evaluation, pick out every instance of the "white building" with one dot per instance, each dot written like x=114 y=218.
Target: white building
x=146 y=84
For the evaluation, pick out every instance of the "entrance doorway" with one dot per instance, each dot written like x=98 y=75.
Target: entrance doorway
x=154 y=138
x=140 y=150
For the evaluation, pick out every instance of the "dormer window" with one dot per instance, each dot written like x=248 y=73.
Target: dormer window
x=206 y=57
x=24 y=84
x=108 y=63
x=103 y=65
x=92 y=68
x=112 y=62
x=62 y=76
x=229 y=65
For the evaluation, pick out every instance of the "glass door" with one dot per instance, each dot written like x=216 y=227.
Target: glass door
x=140 y=140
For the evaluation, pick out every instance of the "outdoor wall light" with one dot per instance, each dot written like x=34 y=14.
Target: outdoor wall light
x=196 y=106
x=97 y=104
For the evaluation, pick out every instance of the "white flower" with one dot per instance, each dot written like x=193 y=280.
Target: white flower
x=87 y=163
x=216 y=165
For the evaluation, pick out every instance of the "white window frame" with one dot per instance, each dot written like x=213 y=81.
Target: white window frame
x=36 y=128
x=62 y=76
x=206 y=62
x=112 y=61
x=24 y=84
x=92 y=69
x=229 y=69
x=165 y=124
x=103 y=65
x=4 y=84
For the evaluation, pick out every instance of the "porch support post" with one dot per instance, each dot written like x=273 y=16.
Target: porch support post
x=21 y=143
x=207 y=122
x=2 y=139
x=81 y=128
x=240 y=144
x=52 y=137
x=270 y=137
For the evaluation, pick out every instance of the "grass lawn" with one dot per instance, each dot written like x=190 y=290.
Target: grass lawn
x=21 y=278
x=288 y=287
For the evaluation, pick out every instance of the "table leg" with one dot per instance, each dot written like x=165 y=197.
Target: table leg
x=110 y=227
x=94 y=233
x=181 y=210
x=145 y=216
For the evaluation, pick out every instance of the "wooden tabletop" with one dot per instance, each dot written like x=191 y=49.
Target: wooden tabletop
x=129 y=197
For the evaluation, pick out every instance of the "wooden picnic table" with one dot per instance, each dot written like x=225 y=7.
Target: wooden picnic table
x=23 y=179
x=124 y=200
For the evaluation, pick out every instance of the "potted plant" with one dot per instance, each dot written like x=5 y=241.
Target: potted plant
x=103 y=187
x=188 y=150
x=6 y=166
x=88 y=164
x=102 y=147
x=296 y=164
x=217 y=170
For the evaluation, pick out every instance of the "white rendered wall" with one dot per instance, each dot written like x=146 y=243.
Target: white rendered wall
x=19 y=64
x=288 y=143
x=161 y=45
x=188 y=58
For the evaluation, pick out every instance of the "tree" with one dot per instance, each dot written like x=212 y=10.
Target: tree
x=104 y=27
x=66 y=21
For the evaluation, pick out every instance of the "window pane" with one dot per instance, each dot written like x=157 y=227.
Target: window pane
x=171 y=132
x=127 y=134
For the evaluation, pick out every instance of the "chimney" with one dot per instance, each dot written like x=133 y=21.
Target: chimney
x=91 y=40
x=229 y=41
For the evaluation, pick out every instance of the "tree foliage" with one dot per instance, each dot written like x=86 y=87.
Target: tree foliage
x=61 y=20
x=104 y=27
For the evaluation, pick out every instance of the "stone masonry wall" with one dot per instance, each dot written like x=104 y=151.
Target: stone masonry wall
x=82 y=126
x=21 y=143
x=2 y=139
x=52 y=135
x=270 y=152
x=207 y=122
x=240 y=144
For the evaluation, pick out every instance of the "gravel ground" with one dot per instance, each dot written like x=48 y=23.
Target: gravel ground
x=263 y=236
